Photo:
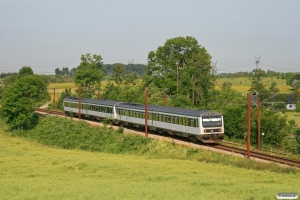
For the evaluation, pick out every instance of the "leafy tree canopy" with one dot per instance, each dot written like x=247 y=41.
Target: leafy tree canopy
x=182 y=66
x=256 y=80
x=293 y=78
x=89 y=74
x=20 y=99
x=24 y=71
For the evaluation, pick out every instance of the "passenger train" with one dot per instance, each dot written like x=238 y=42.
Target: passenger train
x=202 y=125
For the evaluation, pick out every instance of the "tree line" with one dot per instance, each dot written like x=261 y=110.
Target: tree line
x=181 y=69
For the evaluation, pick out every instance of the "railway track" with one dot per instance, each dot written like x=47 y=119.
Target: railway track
x=53 y=112
x=259 y=155
x=254 y=154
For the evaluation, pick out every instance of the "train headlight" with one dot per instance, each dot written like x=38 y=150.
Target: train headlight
x=220 y=130
x=204 y=130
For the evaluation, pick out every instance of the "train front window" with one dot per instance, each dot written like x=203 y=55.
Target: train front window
x=211 y=121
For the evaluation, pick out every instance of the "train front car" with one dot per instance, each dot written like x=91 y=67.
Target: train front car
x=212 y=127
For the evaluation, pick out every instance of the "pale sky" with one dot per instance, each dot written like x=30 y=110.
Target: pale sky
x=49 y=34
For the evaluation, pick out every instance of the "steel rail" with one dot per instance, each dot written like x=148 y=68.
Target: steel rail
x=253 y=154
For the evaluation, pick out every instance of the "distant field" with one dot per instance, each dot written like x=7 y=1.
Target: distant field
x=243 y=84
x=247 y=82
x=32 y=171
x=62 y=86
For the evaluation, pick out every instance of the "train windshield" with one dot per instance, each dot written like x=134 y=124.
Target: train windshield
x=211 y=121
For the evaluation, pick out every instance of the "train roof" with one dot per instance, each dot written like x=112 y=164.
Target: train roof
x=92 y=101
x=162 y=109
x=165 y=109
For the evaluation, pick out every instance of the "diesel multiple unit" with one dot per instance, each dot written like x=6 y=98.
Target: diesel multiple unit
x=201 y=125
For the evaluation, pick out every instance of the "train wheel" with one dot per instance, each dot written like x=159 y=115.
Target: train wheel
x=193 y=138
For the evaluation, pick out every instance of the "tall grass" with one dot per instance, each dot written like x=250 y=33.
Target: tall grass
x=33 y=171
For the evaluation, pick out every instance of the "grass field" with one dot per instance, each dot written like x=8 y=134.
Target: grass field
x=243 y=84
x=247 y=82
x=295 y=116
x=32 y=171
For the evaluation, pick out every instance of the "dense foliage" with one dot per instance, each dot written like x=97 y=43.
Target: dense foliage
x=21 y=98
x=69 y=134
x=139 y=69
x=182 y=67
x=89 y=74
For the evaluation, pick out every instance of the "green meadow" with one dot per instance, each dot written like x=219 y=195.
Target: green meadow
x=29 y=170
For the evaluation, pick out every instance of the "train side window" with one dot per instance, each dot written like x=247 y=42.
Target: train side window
x=197 y=123
x=188 y=122
x=192 y=122
x=143 y=115
x=160 y=118
x=150 y=116
x=130 y=113
x=156 y=117
x=180 y=120
x=168 y=119
x=173 y=120
x=164 y=118
x=176 y=120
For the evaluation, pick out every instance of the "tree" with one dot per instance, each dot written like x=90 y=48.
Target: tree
x=58 y=72
x=296 y=91
x=256 y=83
x=226 y=86
x=24 y=71
x=1 y=92
x=297 y=138
x=273 y=89
x=118 y=73
x=89 y=74
x=298 y=107
x=181 y=65
x=64 y=94
x=20 y=100
x=293 y=78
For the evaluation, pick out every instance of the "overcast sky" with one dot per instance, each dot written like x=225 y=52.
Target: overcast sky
x=49 y=34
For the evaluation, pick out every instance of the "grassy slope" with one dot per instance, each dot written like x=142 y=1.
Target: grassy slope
x=32 y=171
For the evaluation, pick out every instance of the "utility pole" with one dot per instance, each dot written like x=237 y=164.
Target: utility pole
x=146 y=112
x=257 y=61
x=248 y=124
x=79 y=102
x=258 y=122
x=54 y=103
x=177 y=64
